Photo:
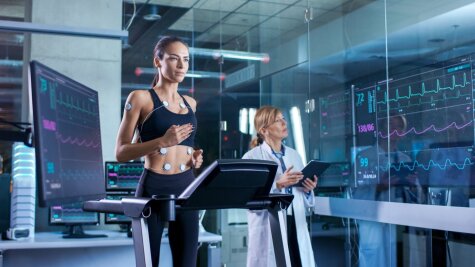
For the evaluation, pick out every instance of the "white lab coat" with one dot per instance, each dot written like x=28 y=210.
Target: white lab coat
x=260 y=248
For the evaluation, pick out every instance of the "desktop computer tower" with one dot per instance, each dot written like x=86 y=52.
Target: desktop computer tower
x=23 y=196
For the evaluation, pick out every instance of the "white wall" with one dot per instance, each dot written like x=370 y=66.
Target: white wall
x=94 y=62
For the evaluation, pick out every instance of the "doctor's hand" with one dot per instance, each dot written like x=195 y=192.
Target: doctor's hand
x=309 y=184
x=197 y=158
x=288 y=178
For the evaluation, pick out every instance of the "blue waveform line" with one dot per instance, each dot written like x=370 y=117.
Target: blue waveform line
x=430 y=128
x=424 y=91
x=431 y=163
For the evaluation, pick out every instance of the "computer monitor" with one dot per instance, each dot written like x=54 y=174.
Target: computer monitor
x=123 y=176
x=72 y=216
x=111 y=218
x=67 y=138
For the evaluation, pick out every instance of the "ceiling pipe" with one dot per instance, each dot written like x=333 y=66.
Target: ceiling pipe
x=230 y=54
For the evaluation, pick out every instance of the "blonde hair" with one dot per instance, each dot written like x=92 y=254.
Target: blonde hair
x=264 y=117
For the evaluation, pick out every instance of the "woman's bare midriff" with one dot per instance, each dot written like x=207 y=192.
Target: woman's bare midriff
x=175 y=156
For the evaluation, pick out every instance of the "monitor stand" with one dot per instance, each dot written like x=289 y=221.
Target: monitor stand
x=76 y=231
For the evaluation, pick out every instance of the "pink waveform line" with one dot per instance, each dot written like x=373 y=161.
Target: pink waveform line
x=425 y=130
x=76 y=141
x=112 y=174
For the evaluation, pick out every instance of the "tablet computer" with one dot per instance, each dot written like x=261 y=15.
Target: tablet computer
x=314 y=167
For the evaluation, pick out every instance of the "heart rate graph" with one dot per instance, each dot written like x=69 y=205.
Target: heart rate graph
x=433 y=90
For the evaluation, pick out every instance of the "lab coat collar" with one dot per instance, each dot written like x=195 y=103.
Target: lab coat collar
x=269 y=149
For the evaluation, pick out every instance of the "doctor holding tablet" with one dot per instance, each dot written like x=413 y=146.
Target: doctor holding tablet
x=271 y=129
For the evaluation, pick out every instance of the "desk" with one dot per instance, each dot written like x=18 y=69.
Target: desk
x=50 y=249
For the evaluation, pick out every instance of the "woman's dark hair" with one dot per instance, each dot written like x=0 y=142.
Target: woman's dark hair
x=159 y=50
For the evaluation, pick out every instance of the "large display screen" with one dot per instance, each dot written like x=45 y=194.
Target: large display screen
x=67 y=138
x=419 y=123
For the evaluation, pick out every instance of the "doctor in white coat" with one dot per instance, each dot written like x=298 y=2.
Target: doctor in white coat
x=271 y=129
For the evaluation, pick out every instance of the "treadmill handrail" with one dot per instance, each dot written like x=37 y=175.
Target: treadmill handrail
x=130 y=206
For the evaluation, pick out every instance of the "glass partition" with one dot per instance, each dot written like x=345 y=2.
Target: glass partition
x=382 y=89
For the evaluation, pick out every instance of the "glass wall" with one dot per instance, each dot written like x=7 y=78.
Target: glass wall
x=381 y=89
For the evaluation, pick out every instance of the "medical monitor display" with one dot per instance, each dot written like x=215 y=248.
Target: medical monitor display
x=67 y=138
x=417 y=127
x=123 y=175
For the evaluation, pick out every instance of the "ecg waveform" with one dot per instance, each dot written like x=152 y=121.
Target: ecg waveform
x=431 y=164
x=432 y=127
x=423 y=92
x=431 y=102
x=416 y=93
x=79 y=105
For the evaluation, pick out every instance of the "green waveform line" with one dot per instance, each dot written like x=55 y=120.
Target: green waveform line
x=68 y=102
x=383 y=107
x=424 y=91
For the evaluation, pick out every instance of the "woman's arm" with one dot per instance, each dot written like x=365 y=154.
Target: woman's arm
x=124 y=149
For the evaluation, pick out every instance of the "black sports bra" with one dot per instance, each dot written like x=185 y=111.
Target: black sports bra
x=161 y=119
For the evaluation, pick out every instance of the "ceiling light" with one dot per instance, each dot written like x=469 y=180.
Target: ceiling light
x=191 y=74
x=153 y=15
x=230 y=54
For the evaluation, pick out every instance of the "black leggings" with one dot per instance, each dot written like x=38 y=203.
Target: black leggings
x=183 y=232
